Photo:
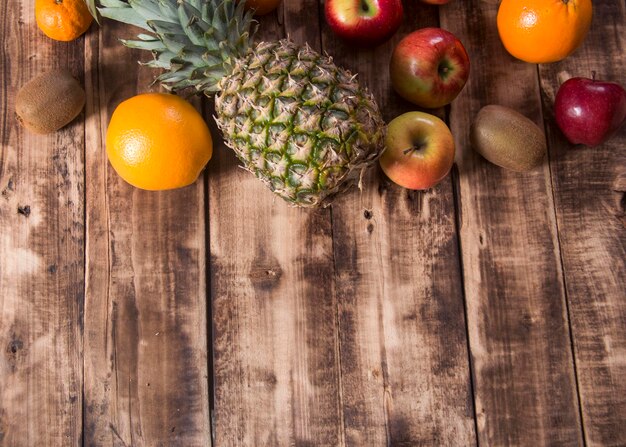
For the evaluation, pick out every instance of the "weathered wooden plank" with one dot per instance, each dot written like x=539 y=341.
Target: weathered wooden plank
x=272 y=285
x=145 y=311
x=524 y=383
x=404 y=358
x=589 y=188
x=41 y=249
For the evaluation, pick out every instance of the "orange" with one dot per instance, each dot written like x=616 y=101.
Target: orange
x=63 y=20
x=541 y=31
x=158 y=141
x=262 y=7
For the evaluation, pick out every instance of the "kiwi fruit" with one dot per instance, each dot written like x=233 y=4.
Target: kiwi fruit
x=49 y=101
x=507 y=138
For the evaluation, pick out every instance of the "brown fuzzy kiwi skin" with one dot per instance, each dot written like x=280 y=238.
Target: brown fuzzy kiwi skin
x=508 y=139
x=49 y=101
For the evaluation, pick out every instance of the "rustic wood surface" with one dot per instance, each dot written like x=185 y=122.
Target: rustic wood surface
x=590 y=212
x=42 y=236
x=489 y=310
x=516 y=311
x=145 y=337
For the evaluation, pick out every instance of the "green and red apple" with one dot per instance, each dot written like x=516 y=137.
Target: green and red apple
x=364 y=23
x=429 y=67
x=419 y=150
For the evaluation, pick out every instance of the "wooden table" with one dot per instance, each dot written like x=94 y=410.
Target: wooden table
x=490 y=310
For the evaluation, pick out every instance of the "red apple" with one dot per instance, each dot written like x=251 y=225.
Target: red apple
x=364 y=22
x=429 y=67
x=419 y=150
x=588 y=111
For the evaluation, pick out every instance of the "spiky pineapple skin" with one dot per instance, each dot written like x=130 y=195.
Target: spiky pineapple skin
x=298 y=122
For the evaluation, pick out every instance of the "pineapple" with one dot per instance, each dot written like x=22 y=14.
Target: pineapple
x=295 y=120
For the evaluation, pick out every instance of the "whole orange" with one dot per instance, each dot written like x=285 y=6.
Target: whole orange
x=542 y=31
x=158 y=141
x=262 y=7
x=63 y=20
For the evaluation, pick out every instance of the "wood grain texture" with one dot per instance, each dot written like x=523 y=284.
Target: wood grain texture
x=275 y=361
x=335 y=327
x=589 y=191
x=404 y=358
x=41 y=249
x=146 y=379
x=525 y=389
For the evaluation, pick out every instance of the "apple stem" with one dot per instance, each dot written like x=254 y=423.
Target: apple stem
x=443 y=70
x=593 y=75
x=411 y=149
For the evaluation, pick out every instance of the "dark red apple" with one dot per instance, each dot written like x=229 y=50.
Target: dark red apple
x=588 y=111
x=429 y=67
x=364 y=22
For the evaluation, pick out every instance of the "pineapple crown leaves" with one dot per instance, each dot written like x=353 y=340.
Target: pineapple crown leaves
x=195 y=41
